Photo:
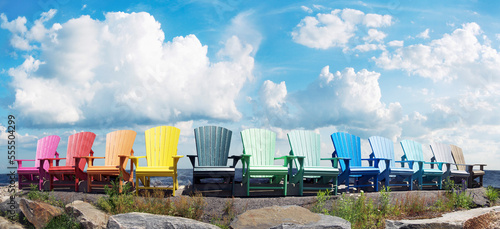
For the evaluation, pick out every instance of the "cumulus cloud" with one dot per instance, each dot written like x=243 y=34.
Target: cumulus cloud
x=456 y=55
x=424 y=34
x=121 y=70
x=342 y=98
x=337 y=28
x=396 y=43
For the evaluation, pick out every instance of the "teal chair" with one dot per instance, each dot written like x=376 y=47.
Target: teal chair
x=307 y=145
x=258 y=161
x=425 y=176
x=212 y=148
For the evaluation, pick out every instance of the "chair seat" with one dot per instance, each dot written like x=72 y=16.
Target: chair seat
x=98 y=169
x=459 y=173
x=433 y=172
x=320 y=171
x=267 y=170
x=401 y=171
x=477 y=173
x=62 y=169
x=212 y=169
x=27 y=170
x=358 y=170
x=155 y=169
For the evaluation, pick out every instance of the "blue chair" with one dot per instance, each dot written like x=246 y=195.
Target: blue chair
x=348 y=149
x=384 y=148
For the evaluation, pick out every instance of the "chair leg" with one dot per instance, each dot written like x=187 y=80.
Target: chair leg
x=285 y=183
x=51 y=182
x=89 y=182
x=232 y=186
x=248 y=185
x=376 y=183
x=137 y=184
x=336 y=185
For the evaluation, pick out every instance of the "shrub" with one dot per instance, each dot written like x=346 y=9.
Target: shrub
x=492 y=195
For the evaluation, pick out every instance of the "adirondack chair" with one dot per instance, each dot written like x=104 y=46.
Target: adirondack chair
x=118 y=150
x=79 y=145
x=458 y=156
x=212 y=148
x=348 y=148
x=384 y=148
x=425 y=176
x=307 y=144
x=442 y=153
x=161 y=157
x=45 y=148
x=258 y=160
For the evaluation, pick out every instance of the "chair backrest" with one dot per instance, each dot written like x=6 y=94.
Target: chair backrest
x=46 y=147
x=306 y=143
x=79 y=145
x=442 y=153
x=382 y=148
x=458 y=156
x=161 y=145
x=119 y=142
x=212 y=145
x=347 y=146
x=413 y=152
x=260 y=144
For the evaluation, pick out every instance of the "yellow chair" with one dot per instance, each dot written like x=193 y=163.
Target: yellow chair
x=161 y=157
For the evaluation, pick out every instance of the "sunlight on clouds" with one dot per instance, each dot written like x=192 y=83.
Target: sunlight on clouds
x=341 y=98
x=121 y=70
x=337 y=28
x=455 y=55
x=424 y=34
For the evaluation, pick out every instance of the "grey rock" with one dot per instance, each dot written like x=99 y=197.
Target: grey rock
x=145 y=220
x=10 y=206
x=6 y=224
x=449 y=220
x=38 y=213
x=286 y=217
x=479 y=196
x=88 y=216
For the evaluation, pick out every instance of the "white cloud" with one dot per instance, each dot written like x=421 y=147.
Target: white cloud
x=396 y=43
x=424 y=34
x=342 y=98
x=368 y=47
x=497 y=36
x=242 y=26
x=377 y=20
x=374 y=35
x=16 y=26
x=120 y=70
x=337 y=28
x=306 y=9
x=455 y=55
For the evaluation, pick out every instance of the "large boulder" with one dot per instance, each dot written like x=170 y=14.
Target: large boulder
x=145 y=220
x=287 y=217
x=10 y=206
x=459 y=219
x=38 y=213
x=6 y=224
x=88 y=216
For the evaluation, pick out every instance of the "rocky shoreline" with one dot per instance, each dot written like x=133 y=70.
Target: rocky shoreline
x=217 y=206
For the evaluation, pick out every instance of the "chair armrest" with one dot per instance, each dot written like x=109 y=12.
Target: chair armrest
x=288 y=158
x=192 y=158
x=135 y=160
x=480 y=164
x=51 y=161
x=90 y=160
x=178 y=156
x=235 y=158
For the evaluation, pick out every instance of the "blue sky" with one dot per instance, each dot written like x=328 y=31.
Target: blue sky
x=421 y=70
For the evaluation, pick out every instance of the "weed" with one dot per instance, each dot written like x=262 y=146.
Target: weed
x=492 y=195
x=63 y=221
x=37 y=195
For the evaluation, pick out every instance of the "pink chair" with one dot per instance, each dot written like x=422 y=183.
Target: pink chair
x=45 y=148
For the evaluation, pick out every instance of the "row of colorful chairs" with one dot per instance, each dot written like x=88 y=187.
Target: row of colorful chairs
x=258 y=161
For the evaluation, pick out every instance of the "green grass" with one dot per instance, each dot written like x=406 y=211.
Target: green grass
x=492 y=195
x=365 y=212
